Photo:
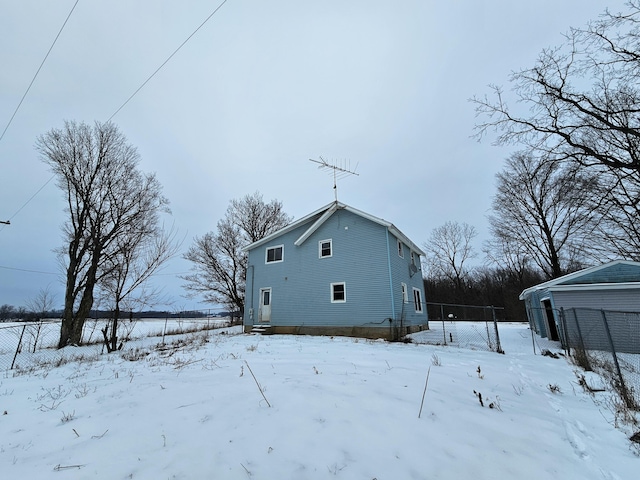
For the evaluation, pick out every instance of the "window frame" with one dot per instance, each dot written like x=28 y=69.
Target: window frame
x=274 y=247
x=400 y=249
x=417 y=300
x=405 y=292
x=328 y=240
x=333 y=292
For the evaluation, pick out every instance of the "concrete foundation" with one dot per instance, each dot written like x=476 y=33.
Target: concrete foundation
x=388 y=333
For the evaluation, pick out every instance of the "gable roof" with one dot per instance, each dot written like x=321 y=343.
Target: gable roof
x=590 y=279
x=320 y=216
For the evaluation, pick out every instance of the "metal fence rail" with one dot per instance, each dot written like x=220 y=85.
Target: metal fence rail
x=466 y=326
x=26 y=345
x=607 y=342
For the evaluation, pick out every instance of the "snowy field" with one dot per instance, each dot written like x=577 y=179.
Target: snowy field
x=37 y=342
x=326 y=408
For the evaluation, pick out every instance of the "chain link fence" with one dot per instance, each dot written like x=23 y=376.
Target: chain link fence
x=465 y=326
x=26 y=345
x=607 y=342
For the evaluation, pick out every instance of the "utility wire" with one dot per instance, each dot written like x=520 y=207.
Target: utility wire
x=38 y=71
x=29 y=271
x=121 y=106
x=27 y=202
x=167 y=60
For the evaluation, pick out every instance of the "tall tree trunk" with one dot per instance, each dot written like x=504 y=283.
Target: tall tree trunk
x=67 y=316
x=114 y=328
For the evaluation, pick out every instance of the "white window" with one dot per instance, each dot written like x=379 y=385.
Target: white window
x=338 y=292
x=405 y=293
x=400 y=249
x=413 y=259
x=325 y=248
x=274 y=254
x=417 y=300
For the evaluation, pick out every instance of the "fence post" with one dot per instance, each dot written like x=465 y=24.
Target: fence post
x=486 y=324
x=584 y=350
x=444 y=332
x=18 y=347
x=623 y=387
x=495 y=325
x=565 y=331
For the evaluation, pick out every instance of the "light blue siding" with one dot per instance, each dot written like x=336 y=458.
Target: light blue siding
x=364 y=257
x=575 y=297
x=617 y=273
x=401 y=273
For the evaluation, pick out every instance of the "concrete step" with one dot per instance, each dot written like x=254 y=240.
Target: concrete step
x=261 y=329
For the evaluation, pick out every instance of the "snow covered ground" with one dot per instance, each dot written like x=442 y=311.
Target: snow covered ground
x=332 y=408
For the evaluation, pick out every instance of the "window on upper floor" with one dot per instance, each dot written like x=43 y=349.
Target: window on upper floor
x=417 y=300
x=400 y=249
x=413 y=259
x=338 y=292
x=274 y=254
x=325 y=248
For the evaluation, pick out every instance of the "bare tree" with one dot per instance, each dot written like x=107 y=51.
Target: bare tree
x=137 y=255
x=219 y=264
x=42 y=303
x=617 y=205
x=542 y=209
x=106 y=197
x=7 y=312
x=582 y=103
x=583 y=98
x=448 y=251
x=39 y=306
x=508 y=256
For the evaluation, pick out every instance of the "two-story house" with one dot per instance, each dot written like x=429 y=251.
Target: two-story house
x=336 y=271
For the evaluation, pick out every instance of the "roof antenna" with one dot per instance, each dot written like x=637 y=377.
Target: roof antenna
x=339 y=171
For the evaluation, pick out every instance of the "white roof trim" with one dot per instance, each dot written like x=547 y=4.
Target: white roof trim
x=329 y=210
x=315 y=225
x=596 y=286
x=552 y=283
x=286 y=229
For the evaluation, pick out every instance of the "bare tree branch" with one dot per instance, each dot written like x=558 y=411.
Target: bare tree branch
x=219 y=264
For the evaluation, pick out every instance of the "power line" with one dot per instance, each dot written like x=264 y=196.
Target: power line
x=167 y=60
x=29 y=271
x=26 y=203
x=52 y=273
x=121 y=106
x=38 y=71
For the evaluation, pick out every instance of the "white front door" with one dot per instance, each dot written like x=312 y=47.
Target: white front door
x=264 y=315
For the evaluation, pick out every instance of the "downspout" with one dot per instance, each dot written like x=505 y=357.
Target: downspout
x=250 y=311
x=393 y=306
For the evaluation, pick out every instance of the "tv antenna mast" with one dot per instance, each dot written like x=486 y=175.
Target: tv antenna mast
x=339 y=171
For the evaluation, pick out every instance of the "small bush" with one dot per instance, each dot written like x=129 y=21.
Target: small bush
x=581 y=359
x=554 y=388
x=435 y=360
x=67 y=417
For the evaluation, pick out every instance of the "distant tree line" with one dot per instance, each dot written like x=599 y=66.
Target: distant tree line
x=9 y=313
x=450 y=278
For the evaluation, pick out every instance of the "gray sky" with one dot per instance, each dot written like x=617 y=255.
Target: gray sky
x=257 y=91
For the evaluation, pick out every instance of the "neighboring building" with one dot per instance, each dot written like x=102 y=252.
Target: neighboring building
x=613 y=286
x=336 y=271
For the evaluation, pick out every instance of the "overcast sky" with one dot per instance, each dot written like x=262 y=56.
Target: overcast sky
x=262 y=87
